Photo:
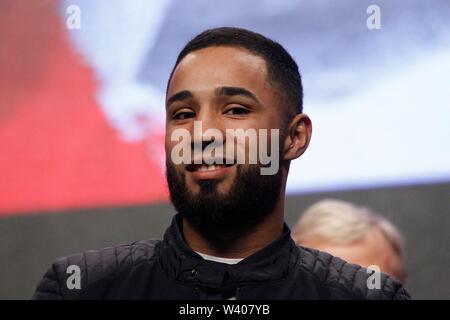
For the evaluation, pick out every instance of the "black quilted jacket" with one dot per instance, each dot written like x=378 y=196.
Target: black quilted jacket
x=169 y=269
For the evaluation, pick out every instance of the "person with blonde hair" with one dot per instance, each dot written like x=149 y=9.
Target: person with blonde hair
x=356 y=234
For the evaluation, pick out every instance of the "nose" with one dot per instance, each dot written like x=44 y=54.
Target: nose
x=207 y=129
x=197 y=143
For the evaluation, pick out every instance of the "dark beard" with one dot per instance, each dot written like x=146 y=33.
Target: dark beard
x=221 y=218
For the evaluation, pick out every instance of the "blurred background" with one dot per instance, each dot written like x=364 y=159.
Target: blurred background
x=82 y=120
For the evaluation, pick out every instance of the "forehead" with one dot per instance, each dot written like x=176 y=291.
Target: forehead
x=213 y=67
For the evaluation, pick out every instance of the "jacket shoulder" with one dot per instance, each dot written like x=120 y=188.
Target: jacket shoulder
x=92 y=267
x=343 y=280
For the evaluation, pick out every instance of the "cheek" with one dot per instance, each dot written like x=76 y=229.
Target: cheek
x=263 y=149
x=178 y=151
x=170 y=131
x=190 y=184
x=168 y=145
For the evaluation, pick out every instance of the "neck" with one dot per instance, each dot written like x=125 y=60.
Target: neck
x=261 y=236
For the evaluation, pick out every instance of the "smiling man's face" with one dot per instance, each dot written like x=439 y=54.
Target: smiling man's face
x=224 y=88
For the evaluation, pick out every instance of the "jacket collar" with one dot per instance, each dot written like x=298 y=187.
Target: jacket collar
x=181 y=263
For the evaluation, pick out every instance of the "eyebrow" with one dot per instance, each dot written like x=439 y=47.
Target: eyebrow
x=221 y=91
x=236 y=91
x=180 y=96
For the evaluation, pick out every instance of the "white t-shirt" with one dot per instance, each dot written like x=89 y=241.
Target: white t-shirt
x=219 y=259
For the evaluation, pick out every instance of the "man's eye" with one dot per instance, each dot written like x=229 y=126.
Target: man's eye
x=237 y=111
x=183 y=115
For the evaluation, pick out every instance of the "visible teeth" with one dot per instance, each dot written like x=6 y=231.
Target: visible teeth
x=208 y=168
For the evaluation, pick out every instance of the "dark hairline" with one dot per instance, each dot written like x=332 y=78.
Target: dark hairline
x=229 y=45
x=282 y=72
x=268 y=78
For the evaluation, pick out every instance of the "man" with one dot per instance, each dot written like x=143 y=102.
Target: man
x=355 y=234
x=229 y=239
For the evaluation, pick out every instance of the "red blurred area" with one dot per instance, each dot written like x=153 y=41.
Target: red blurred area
x=57 y=150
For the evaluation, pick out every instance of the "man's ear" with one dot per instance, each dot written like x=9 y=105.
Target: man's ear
x=297 y=137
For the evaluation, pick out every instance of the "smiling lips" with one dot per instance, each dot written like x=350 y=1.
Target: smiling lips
x=208 y=171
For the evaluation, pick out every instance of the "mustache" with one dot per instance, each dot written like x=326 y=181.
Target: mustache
x=223 y=216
